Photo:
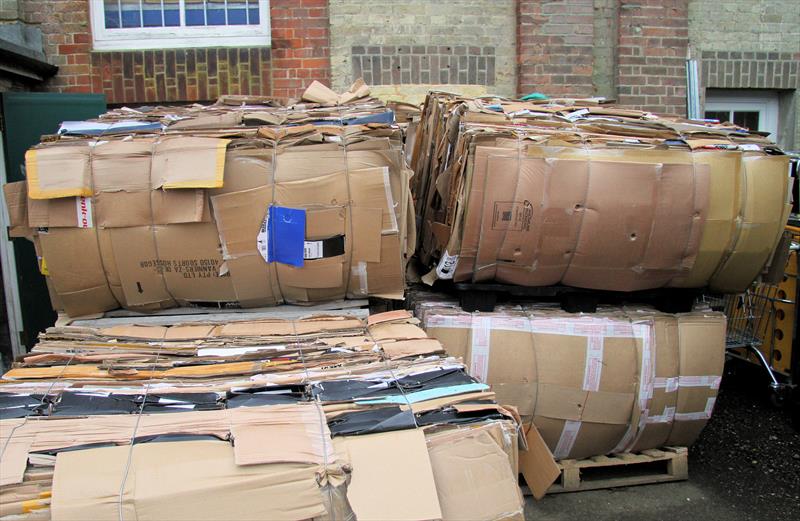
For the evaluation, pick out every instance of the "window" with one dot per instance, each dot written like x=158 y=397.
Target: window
x=752 y=109
x=159 y=24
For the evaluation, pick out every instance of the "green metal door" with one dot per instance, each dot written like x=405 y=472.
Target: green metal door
x=26 y=117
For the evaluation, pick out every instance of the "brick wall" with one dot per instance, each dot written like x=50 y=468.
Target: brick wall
x=300 y=45
x=405 y=48
x=653 y=43
x=299 y=53
x=555 y=47
x=755 y=44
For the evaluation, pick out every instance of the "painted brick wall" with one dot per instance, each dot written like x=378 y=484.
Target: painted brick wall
x=755 y=44
x=653 y=43
x=555 y=47
x=405 y=48
x=299 y=53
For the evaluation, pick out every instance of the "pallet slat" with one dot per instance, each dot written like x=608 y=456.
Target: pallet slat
x=622 y=470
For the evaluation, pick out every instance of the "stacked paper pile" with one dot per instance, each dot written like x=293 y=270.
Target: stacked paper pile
x=234 y=204
x=575 y=192
x=327 y=417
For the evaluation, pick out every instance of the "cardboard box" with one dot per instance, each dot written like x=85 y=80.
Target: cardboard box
x=531 y=193
x=616 y=381
x=174 y=215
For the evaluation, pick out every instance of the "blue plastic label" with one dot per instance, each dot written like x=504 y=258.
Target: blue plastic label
x=282 y=235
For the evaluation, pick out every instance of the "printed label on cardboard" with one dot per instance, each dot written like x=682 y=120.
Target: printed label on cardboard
x=312 y=250
x=512 y=216
x=83 y=206
x=447 y=266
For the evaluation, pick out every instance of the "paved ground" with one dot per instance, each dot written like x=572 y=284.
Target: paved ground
x=745 y=466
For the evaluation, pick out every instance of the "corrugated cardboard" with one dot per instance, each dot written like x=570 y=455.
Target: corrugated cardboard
x=392 y=476
x=615 y=381
x=181 y=480
x=474 y=479
x=537 y=195
x=151 y=221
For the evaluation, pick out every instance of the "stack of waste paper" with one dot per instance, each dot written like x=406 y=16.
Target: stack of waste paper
x=238 y=204
x=619 y=380
x=576 y=192
x=325 y=417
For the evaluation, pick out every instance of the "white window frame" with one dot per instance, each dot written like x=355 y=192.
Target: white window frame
x=736 y=100
x=142 y=38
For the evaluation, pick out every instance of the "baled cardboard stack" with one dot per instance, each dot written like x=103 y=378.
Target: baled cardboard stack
x=149 y=210
x=618 y=380
x=592 y=196
x=327 y=417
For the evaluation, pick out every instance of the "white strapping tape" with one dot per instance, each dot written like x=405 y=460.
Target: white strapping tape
x=666 y=417
x=702 y=415
x=359 y=271
x=567 y=440
x=481 y=347
x=647 y=370
x=387 y=186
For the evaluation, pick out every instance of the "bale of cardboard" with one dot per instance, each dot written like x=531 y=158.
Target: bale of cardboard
x=585 y=194
x=323 y=417
x=241 y=203
x=619 y=380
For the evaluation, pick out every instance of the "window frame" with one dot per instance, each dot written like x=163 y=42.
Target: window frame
x=144 y=38
x=737 y=100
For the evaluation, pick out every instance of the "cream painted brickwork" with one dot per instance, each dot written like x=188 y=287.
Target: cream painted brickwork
x=745 y=28
x=452 y=32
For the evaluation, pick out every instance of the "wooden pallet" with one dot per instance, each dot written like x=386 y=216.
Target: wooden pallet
x=622 y=470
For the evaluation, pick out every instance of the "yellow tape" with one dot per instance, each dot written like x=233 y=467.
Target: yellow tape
x=43 y=267
x=219 y=172
x=35 y=191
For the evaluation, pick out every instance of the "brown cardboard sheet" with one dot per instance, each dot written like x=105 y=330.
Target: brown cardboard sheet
x=392 y=476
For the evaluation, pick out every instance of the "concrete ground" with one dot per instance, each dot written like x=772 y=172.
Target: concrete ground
x=745 y=466
x=679 y=500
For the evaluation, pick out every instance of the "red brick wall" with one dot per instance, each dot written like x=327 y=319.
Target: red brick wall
x=554 y=42
x=653 y=41
x=300 y=45
x=299 y=53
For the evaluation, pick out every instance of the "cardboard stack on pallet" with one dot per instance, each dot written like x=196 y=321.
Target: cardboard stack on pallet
x=619 y=380
x=326 y=417
x=240 y=205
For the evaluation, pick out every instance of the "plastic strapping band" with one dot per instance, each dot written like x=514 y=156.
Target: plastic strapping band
x=95 y=223
x=350 y=237
x=133 y=435
x=159 y=268
x=322 y=420
x=44 y=397
x=388 y=365
x=270 y=266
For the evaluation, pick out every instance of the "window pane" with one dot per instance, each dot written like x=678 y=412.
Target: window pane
x=252 y=12
x=195 y=12
x=721 y=116
x=172 y=14
x=237 y=12
x=111 y=12
x=151 y=13
x=131 y=13
x=746 y=119
x=215 y=12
